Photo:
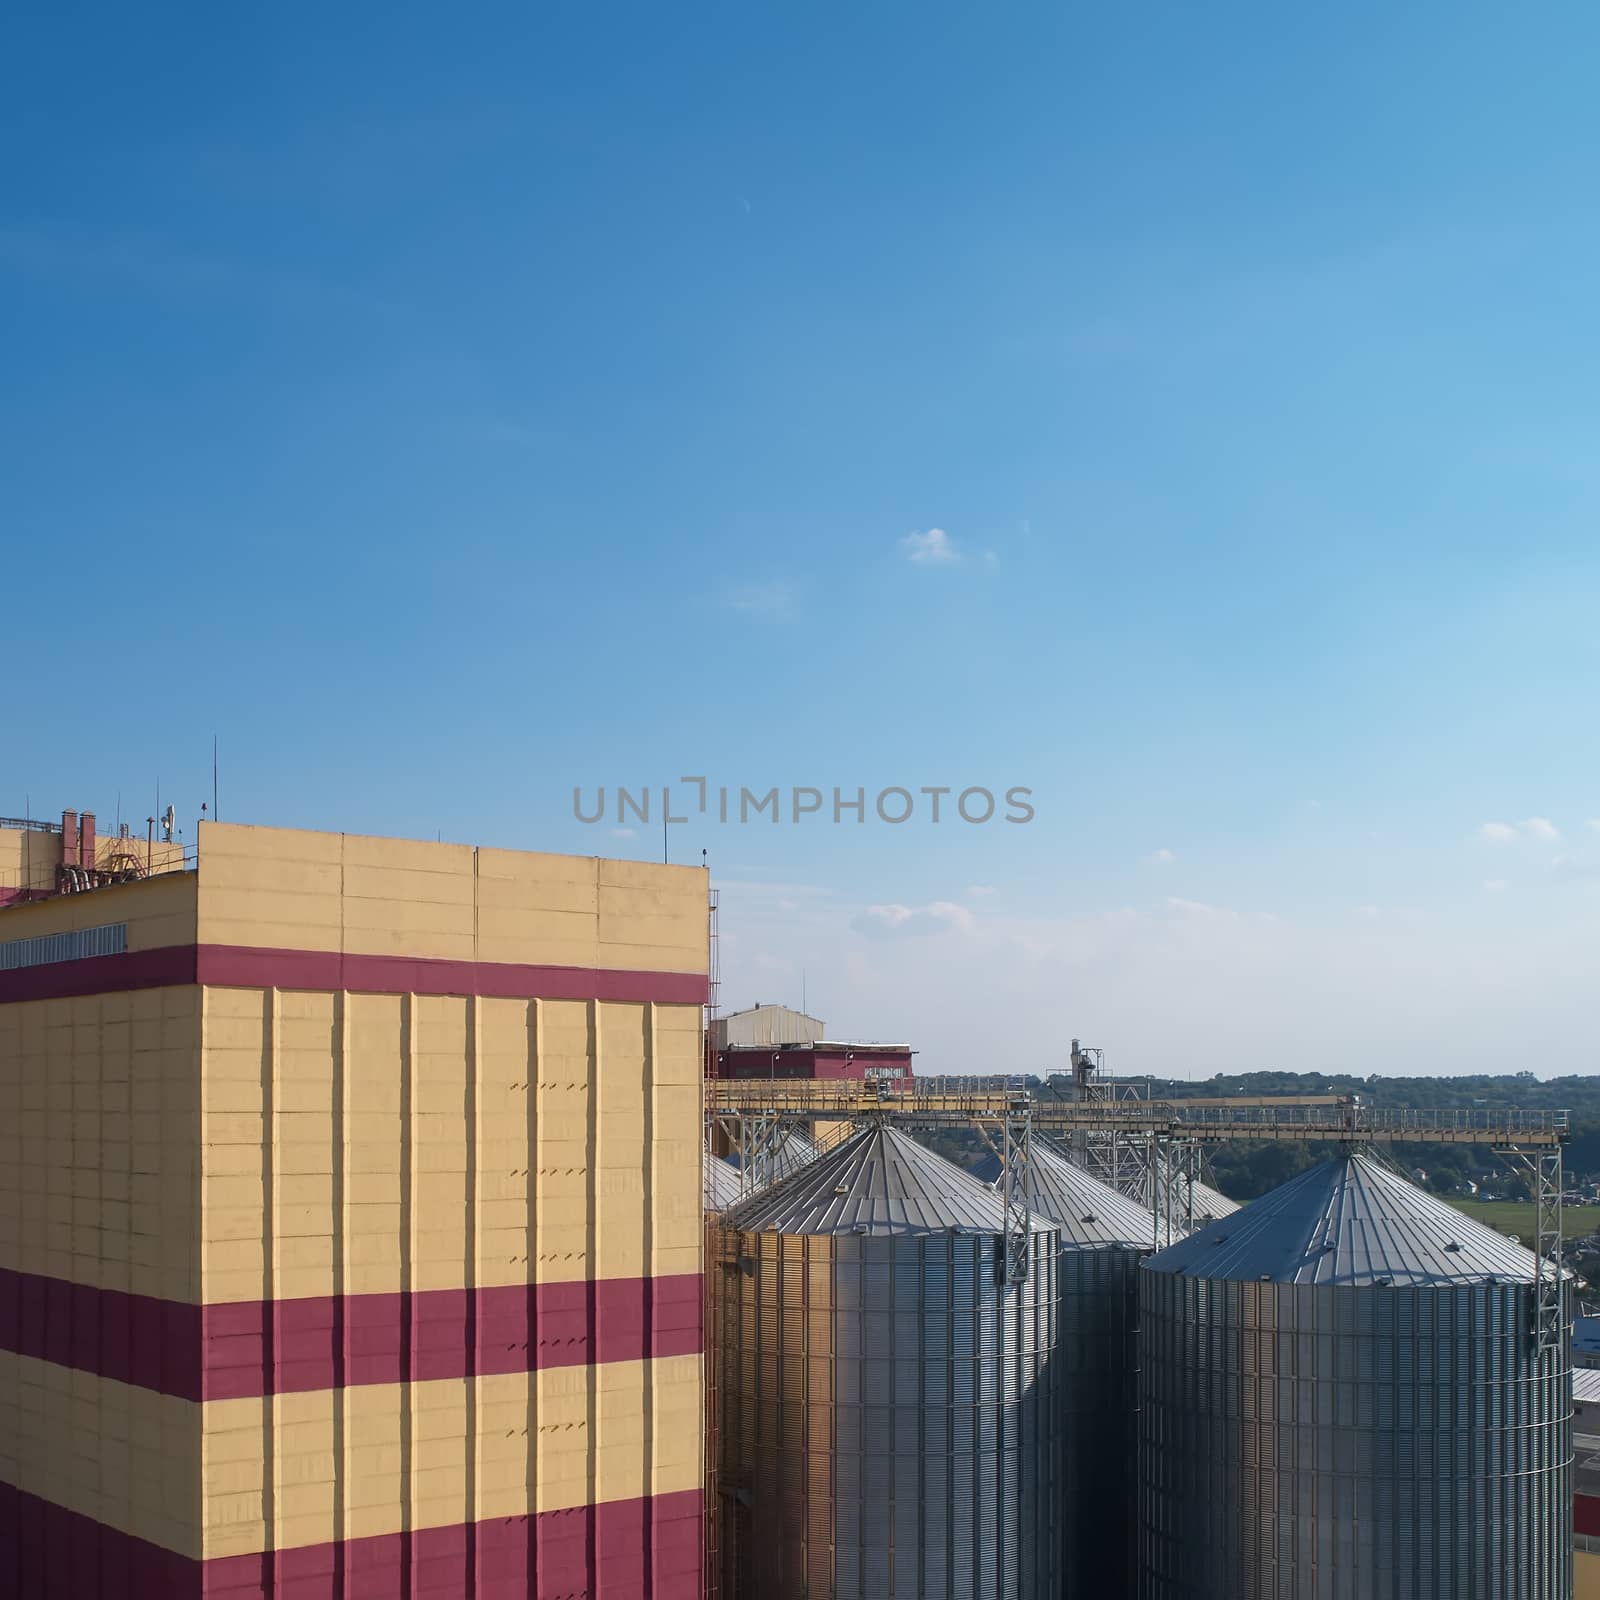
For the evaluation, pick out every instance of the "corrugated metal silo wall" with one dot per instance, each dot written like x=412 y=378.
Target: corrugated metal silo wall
x=886 y=1419
x=1350 y=1443
x=1098 y=1389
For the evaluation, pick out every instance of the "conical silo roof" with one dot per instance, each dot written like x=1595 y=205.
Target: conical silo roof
x=1348 y=1221
x=721 y=1187
x=1210 y=1205
x=1084 y=1210
x=788 y=1152
x=878 y=1181
x=987 y=1168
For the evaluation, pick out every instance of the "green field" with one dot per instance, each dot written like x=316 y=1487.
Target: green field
x=1512 y=1216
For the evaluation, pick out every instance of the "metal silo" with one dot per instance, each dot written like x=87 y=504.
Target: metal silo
x=1198 y=1203
x=783 y=1151
x=887 y=1396
x=1103 y=1237
x=720 y=1185
x=1182 y=1202
x=721 y=1188
x=1343 y=1398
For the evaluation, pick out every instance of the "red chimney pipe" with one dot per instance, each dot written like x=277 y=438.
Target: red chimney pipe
x=86 y=854
x=69 y=838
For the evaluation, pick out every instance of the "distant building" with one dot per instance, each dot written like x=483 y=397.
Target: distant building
x=780 y=1043
x=1585 y=1481
x=1586 y=1343
x=886 y=1064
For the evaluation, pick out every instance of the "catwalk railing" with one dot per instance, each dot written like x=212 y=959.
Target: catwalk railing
x=935 y=1103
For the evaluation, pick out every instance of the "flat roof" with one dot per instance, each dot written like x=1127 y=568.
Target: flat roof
x=823 y=1044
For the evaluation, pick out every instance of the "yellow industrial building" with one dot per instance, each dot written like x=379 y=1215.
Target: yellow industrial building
x=350 y=1224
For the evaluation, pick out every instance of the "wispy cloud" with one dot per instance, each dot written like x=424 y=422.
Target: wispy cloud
x=897 y=921
x=1437 y=982
x=1444 y=992
x=1540 y=828
x=1575 y=868
x=1197 y=908
x=510 y=431
x=622 y=833
x=979 y=891
x=157 y=267
x=1494 y=885
x=776 y=601
x=933 y=548
x=1160 y=858
x=1594 y=822
x=769 y=888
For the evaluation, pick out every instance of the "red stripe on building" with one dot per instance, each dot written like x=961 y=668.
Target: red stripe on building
x=133 y=1338
x=646 y=1549
x=168 y=967
x=1585 y=1514
x=230 y=1352
x=246 y=967
x=290 y=1346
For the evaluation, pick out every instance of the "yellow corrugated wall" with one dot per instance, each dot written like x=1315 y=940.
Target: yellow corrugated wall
x=377 y=1144
x=1585 y=1575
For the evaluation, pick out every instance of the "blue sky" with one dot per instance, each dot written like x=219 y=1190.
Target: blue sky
x=448 y=411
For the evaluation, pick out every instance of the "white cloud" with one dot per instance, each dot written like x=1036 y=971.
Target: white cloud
x=896 y=921
x=1160 y=858
x=1540 y=828
x=1403 y=990
x=991 y=561
x=622 y=833
x=1594 y=822
x=933 y=548
x=979 y=891
x=1197 y=908
x=1494 y=885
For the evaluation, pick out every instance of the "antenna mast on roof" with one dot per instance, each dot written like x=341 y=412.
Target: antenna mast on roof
x=713 y=956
